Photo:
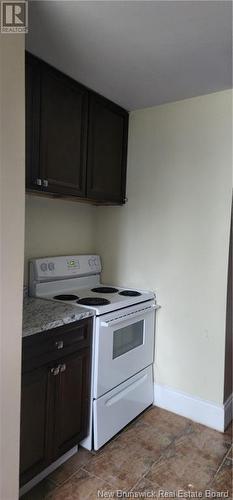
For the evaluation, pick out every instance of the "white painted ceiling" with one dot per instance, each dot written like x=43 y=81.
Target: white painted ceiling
x=137 y=53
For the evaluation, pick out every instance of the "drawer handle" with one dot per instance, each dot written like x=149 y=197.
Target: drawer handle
x=59 y=344
x=62 y=368
x=55 y=371
x=114 y=399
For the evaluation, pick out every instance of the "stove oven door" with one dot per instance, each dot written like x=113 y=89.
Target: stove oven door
x=124 y=345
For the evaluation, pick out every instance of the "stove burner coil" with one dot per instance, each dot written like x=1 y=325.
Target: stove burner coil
x=66 y=297
x=105 y=289
x=130 y=293
x=93 y=301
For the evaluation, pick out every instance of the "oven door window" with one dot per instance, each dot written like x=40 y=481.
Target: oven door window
x=127 y=338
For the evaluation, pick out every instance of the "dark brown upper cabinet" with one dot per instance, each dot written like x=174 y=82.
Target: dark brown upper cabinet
x=56 y=117
x=76 y=140
x=32 y=84
x=63 y=133
x=107 y=150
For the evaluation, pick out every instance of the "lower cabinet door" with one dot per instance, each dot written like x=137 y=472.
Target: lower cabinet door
x=72 y=402
x=35 y=392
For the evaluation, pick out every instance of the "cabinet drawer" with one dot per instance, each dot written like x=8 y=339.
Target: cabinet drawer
x=44 y=347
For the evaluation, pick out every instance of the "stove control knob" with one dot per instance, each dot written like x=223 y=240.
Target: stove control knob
x=51 y=266
x=91 y=262
x=43 y=267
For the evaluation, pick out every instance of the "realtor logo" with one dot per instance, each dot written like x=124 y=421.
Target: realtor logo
x=14 y=17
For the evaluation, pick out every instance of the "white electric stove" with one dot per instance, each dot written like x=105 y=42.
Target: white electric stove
x=123 y=338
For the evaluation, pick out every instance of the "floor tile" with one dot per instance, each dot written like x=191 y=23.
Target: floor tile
x=223 y=479
x=229 y=431
x=158 y=451
x=120 y=467
x=230 y=453
x=165 y=421
x=192 y=459
x=71 y=466
x=150 y=439
x=145 y=486
x=127 y=458
x=80 y=486
x=212 y=445
x=181 y=473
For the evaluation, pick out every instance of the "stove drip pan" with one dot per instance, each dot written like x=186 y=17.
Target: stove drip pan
x=66 y=297
x=105 y=289
x=93 y=301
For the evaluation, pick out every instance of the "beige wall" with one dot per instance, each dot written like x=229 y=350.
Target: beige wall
x=11 y=255
x=173 y=235
x=57 y=227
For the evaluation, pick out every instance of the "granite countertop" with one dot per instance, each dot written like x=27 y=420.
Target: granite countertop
x=40 y=315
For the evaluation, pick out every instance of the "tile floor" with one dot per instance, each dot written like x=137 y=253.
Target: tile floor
x=159 y=452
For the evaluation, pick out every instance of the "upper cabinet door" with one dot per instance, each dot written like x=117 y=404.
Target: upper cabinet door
x=32 y=101
x=63 y=133
x=107 y=150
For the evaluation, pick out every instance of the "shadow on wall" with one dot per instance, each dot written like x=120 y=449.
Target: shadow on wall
x=228 y=389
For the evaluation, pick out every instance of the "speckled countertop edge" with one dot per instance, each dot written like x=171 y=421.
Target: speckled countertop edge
x=40 y=315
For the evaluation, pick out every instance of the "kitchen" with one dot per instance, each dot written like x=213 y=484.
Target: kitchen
x=169 y=237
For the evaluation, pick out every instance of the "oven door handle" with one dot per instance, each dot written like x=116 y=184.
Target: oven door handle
x=129 y=316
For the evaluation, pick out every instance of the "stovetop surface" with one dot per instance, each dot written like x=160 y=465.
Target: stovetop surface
x=101 y=301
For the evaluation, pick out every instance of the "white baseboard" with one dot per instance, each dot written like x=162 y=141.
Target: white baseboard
x=212 y=415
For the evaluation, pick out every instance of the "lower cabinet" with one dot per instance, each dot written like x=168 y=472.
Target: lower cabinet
x=34 y=422
x=55 y=402
x=71 y=403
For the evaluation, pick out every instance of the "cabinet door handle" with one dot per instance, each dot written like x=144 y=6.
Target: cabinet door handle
x=45 y=183
x=55 y=371
x=62 y=367
x=59 y=344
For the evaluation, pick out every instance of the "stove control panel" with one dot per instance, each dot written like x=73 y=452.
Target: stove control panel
x=93 y=262
x=54 y=268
